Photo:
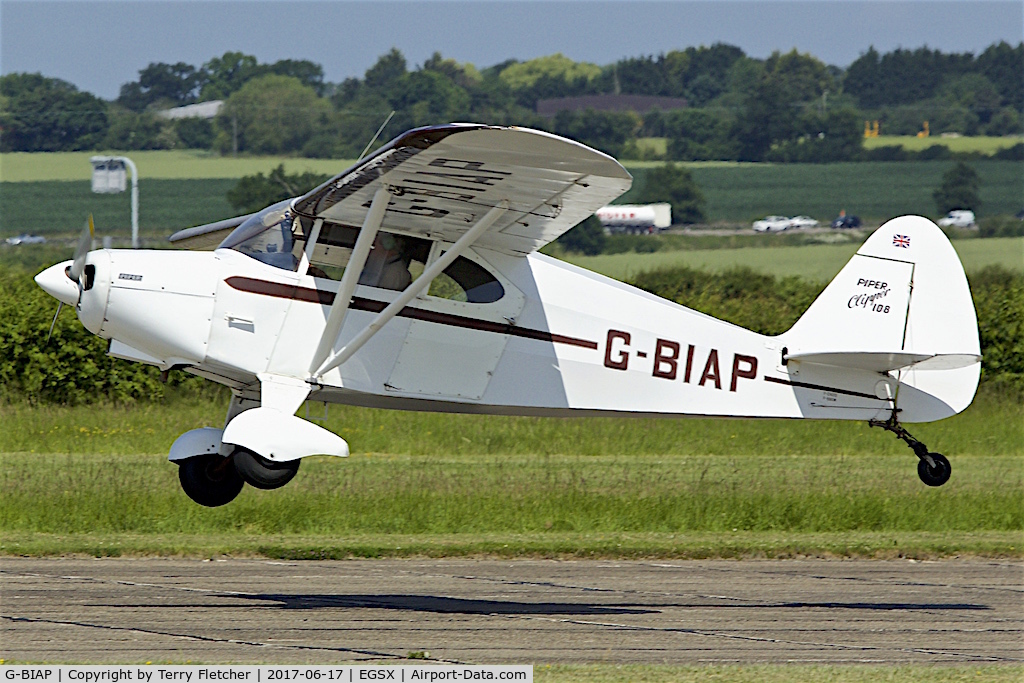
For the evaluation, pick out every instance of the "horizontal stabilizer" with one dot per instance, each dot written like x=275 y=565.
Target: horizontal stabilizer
x=880 y=361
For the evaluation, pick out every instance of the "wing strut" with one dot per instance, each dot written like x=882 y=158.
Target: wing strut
x=415 y=288
x=350 y=278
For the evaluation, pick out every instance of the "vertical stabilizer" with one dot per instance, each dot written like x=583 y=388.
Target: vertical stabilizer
x=901 y=307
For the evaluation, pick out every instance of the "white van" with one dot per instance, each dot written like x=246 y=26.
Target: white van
x=957 y=218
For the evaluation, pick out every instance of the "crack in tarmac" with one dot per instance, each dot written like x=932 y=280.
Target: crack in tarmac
x=369 y=654
x=875 y=581
x=185 y=636
x=232 y=641
x=762 y=639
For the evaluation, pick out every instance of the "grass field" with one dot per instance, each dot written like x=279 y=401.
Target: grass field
x=779 y=673
x=581 y=506
x=96 y=481
x=982 y=144
x=818 y=262
x=652 y=146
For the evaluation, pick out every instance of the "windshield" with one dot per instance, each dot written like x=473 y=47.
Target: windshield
x=266 y=236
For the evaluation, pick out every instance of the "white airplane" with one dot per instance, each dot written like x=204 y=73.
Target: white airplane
x=412 y=281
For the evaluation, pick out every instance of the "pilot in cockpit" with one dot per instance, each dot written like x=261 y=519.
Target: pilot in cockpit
x=387 y=266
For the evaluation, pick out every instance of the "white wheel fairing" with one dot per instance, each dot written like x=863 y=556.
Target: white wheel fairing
x=196 y=442
x=280 y=437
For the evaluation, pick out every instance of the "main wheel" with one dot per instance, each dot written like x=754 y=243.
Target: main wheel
x=262 y=473
x=934 y=476
x=209 y=479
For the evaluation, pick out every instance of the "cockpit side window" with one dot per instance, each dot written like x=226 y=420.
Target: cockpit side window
x=394 y=260
x=466 y=280
x=332 y=251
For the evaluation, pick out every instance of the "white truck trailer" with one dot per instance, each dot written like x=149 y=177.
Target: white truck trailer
x=635 y=217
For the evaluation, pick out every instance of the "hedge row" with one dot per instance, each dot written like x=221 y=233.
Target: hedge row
x=73 y=366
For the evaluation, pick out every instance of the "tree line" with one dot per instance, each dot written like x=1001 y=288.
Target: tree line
x=787 y=107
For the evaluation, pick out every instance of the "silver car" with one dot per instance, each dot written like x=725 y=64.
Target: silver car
x=772 y=224
x=801 y=222
x=26 y=239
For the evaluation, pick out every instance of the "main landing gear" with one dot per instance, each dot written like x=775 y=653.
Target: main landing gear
x=933 y=468
x=212 y=480
x=262 y=473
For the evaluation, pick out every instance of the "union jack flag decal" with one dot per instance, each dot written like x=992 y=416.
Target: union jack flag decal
x=900 y=241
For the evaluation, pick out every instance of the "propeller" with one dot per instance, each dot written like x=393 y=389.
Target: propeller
x=84 y=242
x=77 y=267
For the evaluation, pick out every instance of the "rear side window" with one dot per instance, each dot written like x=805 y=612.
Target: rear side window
x=465 y=280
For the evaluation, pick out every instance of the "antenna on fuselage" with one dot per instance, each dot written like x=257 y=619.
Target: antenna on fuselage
x=375 y=136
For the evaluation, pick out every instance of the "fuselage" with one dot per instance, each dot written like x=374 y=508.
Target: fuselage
x=560 y=341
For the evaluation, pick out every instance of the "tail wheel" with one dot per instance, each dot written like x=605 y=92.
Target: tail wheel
x=262 y=473
x=937 y=474
x=209 y=479
x=932 y=468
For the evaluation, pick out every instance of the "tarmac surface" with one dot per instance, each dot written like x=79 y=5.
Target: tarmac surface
x=502 y=611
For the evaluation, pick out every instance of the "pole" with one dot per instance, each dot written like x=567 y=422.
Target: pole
x=102 y=183
x=135 y=200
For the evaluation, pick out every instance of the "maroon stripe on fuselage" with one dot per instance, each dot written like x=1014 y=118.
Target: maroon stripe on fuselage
x=326 y=298
x=805 y=385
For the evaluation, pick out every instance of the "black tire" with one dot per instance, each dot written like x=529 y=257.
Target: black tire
x=261 y=473
x=209 y=479
x=934 y=476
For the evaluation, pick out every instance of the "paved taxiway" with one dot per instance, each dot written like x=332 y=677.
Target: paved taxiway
x=491 y=611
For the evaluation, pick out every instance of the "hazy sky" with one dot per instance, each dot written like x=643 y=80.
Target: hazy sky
x=100 y=45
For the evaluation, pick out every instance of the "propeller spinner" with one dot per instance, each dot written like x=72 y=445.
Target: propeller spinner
x=64 y=280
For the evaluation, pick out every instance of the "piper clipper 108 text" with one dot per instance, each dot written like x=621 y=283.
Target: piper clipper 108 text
x=413 y=281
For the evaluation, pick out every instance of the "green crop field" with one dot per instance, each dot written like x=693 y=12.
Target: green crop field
x=61 y=207
x=818 y=262
x=980 y=144
x=19 y=167
x=52 y=195
x=740 y=193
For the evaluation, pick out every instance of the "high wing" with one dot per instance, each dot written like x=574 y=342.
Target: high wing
x=443 y=179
